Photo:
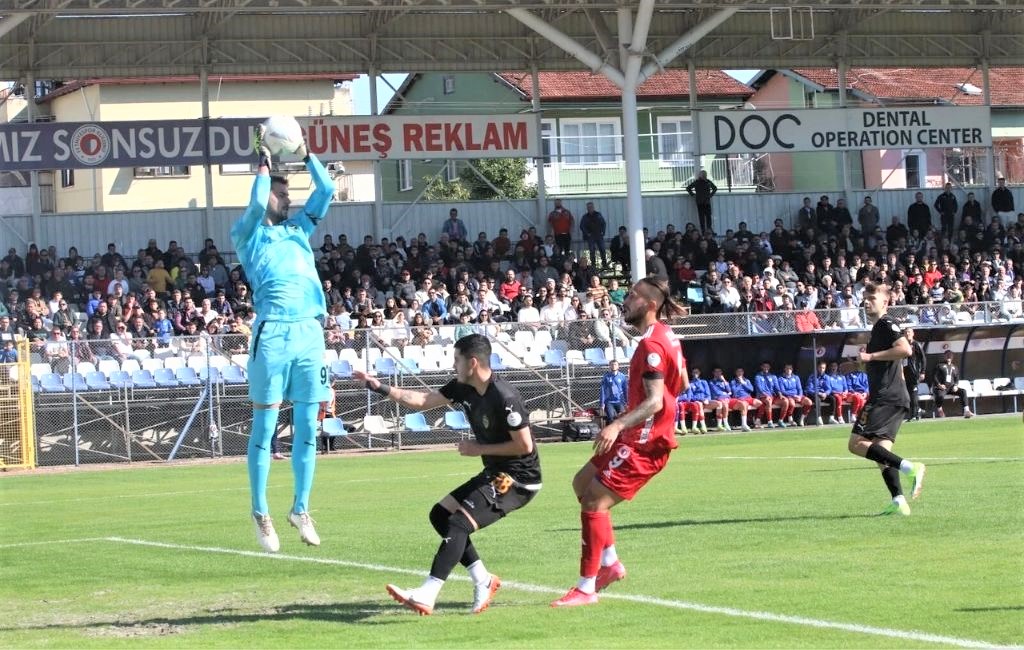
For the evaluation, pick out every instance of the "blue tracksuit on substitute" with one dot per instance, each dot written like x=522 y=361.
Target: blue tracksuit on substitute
x=613 y=394
x=766 y=384
x=287 y=348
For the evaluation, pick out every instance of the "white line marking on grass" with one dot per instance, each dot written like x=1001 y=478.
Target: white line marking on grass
x=910 y=635
x=56 y=541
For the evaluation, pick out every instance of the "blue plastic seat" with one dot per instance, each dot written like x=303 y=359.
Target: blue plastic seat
x=496 y=362
x=164 y=378
x=120 y=379
x=341 y=369
x=456 y=420
x=97 y=381
x=333 y=427
x=417 y=422
x=595 y=356
x=233 y=374
x=214 y=373
x=143 y=379
x=554 y=357
x=75 y=381
x=187 y=376
x=51 y=382
x=410 y=366
x=385 y=366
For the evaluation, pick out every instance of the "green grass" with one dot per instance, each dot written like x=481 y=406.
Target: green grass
x=777 y=522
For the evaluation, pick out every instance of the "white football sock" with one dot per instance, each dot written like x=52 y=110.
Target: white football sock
x=906 y=466
x=428 y=590
x=478 y=573
x=899 y=499
x=587 y=585
x=609 y=556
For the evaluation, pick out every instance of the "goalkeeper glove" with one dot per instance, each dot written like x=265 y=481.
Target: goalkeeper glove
x=302 y=152
x=261 y=149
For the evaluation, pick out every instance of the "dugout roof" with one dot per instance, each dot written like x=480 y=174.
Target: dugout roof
x=76 y=39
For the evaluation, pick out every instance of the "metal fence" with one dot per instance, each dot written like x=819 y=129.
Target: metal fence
x=189 y=399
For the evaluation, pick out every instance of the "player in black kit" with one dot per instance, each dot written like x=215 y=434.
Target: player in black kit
x=510 y=479
x=875 y=431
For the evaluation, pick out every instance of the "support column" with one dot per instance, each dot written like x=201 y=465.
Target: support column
x=634 y=200
x=691 y=68
x=378 y=187
x=541 y=188
x=204 y=93
x=990 y=151
x=844 y=166
x=36 y=218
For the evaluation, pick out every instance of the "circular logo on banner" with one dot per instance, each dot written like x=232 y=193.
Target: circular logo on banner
x=90 y=144
x=820 y=352
x=653 y=359
x=514 y=419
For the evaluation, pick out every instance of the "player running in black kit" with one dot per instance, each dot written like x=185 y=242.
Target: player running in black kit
x=510 y=479
x=875 y=431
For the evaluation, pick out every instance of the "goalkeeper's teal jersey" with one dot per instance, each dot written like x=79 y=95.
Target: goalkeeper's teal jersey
x=278 y=260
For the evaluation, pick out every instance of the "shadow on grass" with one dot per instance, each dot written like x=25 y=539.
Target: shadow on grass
x=163 y=626
x=994 y=608
x=722 y=522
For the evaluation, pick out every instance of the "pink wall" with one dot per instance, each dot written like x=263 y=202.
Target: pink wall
x=776 y=94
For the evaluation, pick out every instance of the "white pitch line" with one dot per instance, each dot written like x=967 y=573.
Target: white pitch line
x=852 y=458
x=56 y=541
x=909 y=635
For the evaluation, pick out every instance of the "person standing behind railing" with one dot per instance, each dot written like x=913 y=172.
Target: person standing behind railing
x=913 y=372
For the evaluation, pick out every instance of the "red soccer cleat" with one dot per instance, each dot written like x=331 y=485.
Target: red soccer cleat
x=575 y=598
x=606 y=575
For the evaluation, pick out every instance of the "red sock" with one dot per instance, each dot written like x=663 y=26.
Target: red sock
x=597 y=535
x=785 y=410
x=808 y=408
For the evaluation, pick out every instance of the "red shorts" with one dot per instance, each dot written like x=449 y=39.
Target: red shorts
x=735 y=402
x=624 y=470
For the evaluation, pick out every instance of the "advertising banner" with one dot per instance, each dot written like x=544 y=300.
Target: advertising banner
x=156 y=143
x=843 y=129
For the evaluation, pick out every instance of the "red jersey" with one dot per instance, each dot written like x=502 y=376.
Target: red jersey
x=661 y=352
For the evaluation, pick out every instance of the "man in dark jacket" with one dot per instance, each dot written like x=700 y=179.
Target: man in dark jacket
x=702 y=189
x=945 y=378
x=947 y=205
x=592 y=226
x=1002 y=199
x=919 y=216
x=913 y=372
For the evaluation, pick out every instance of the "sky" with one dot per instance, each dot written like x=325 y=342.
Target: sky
x=361 y=89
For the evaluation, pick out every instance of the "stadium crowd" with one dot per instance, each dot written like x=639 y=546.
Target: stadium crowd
x=405 y=290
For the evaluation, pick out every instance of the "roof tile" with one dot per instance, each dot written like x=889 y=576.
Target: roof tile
x=924 y=84
x=587 y=86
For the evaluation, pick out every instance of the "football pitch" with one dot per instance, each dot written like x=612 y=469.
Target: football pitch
x=766 y=539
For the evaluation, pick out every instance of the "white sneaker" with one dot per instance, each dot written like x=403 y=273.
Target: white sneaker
x=304 y=523
x=411 y=599
x=968 y=413
x=483 y=594
x=833 y=420
x=265 y=533
x=745 y=427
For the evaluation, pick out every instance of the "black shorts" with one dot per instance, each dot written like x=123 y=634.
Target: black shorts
x=879 y=421
x=479 y=497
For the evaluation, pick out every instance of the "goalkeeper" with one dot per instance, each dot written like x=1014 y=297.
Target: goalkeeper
x=287 y=348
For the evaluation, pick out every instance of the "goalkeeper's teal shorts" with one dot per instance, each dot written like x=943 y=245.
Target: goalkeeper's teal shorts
x=286 y=362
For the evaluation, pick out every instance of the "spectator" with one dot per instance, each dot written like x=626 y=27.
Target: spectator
x=1002 y=200
x=655 y=266
x=613 y=392
x=945 y=380
x=919 y=216
x=702 y=190
x=947 y=205
x=619 y=249
x=454 y=228
x=560 y=222
x=8 y=354
x=868 y=217
x=56 y=352
x=592 y=226
x=421 y=332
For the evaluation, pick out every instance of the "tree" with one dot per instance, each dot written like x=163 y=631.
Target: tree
x=440 y=190
x=508 y=175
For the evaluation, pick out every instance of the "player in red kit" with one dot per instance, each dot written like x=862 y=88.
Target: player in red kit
x=630 y=450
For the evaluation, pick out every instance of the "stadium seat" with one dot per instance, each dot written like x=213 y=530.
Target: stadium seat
x=97 y=381
x=152 y=365
x=51 y=382
x=575 y=357
x=84 y=367
x=330 y=356
x=75 y=381
x=187 y=376
x=971 y=397
x=595 y=356
x=332 y=427
x=541 y=341
x=559 y=345
x=143 y=378
x=924 y=393
x=446 y=333
x=196 y=362
x=416 y=422
x=164 y=378
x=409 y=366
x=130 y=366
x=385 y=366
x=241 y=360
x=456 y=420
x=341 y=369
x=40 y=369
x=233 y=374
x=413 y=352
x=141 y=355
x=215 y=374
x=120 y=379
x=173 y=363
x=217 y=361
x=108 y=367
x=496 y=362
x=524 y=337
x=554 y=357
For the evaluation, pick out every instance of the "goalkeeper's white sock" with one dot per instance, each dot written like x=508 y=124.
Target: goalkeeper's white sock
x=609 y=556
x=428 y=591
x=478 y=573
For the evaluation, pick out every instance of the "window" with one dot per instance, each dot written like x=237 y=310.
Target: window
x=237 y=168
x=548 y=140
x=913 y=165
x=675 y=141
x=449 y=84
x=963 y=166
x=404 y=175
x=590 y=142
x=162 y=172
x=67 y=178
x=451 y=171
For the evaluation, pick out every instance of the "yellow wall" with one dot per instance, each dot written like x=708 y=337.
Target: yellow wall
x=118 y=189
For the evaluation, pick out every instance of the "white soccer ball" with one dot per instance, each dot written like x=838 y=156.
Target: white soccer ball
x=282 y=135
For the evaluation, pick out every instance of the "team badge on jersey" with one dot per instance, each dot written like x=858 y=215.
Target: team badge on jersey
x=514 y=418
x=653 y=359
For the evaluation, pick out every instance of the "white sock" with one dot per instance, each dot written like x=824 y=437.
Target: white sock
x=587 y=585
x=906 y=466
x=478 y=573
x=429 y=590
x=899 y=499
x=609 y=556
